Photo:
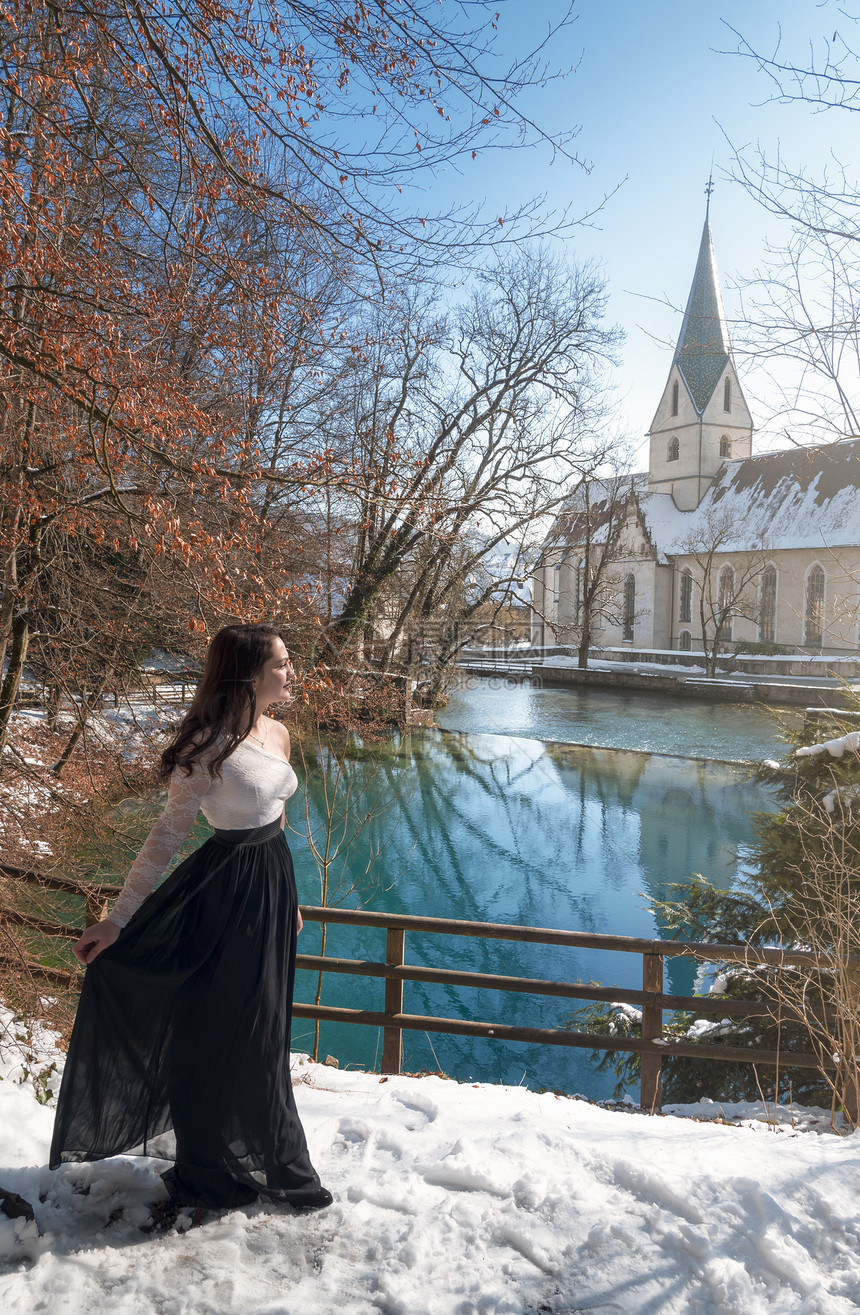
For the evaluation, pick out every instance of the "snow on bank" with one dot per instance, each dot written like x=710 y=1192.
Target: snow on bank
x=631 y=668
x=454 y=1199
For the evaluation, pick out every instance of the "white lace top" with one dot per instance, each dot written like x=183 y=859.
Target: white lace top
x=251 y=791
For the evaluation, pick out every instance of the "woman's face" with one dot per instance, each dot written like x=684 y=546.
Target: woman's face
x=273 y=682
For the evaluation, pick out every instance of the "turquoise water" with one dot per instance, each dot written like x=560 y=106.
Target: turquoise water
x=649 y=723
x=519 y=829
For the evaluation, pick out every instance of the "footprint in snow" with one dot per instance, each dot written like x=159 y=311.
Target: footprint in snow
x=419 y=1103
x=355 y=1130
x=462 y=1178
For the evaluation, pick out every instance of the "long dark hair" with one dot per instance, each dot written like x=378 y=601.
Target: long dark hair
x=224 y=706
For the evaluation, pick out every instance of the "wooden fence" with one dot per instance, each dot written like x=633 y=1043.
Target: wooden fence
x=394 y=970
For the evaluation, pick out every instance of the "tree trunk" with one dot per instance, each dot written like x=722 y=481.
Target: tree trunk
x=87 y=705
x=352 y=620
x=53 y=706
x=383 y=561
x=584 y=640
x=8 y=603
x=12 y=679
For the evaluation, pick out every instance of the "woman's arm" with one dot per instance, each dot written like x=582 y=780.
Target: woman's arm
x=166 y=837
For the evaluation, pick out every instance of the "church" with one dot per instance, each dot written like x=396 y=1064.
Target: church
x=712 y=545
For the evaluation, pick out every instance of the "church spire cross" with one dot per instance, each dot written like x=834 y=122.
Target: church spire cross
x=709 y=187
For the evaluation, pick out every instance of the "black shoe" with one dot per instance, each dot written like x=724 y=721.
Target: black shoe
x=165 y=1214
x=14 y=1206
x=317 y=1200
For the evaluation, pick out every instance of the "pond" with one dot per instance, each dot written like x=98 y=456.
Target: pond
x=511 y=829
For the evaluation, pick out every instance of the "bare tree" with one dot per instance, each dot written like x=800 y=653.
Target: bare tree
x=154 y=170
x=467 y=427
x=586 y=543
x=469 y=592
x=725 y=580
x=801 y=308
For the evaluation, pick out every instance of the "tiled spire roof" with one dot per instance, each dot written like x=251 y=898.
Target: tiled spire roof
x=704 y=346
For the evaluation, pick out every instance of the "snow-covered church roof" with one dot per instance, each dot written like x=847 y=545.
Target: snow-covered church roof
x=798 y=498
x=599 y=510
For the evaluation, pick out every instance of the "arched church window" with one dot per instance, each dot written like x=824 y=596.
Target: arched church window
x=727 y=394
x=767 y=605
x=685 y=595
x=673 y=451
x=725 y=601
x=725 y=444
x=813 y=612
x=675 y=398
x=629 y=605
x=684 y=641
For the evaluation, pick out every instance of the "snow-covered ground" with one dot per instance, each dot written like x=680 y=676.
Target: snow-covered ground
x=454 y=1199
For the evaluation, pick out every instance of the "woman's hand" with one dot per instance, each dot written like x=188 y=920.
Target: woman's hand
x=299 y=923
x=95 y=939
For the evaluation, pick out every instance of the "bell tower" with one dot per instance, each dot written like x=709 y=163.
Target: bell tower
x=703 y=419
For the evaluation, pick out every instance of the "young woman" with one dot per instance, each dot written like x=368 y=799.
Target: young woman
x=181 y=1045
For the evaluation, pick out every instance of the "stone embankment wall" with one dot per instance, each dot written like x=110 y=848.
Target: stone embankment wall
x=689 y=687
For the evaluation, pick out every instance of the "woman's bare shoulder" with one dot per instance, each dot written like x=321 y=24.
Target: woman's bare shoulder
x=280 y=736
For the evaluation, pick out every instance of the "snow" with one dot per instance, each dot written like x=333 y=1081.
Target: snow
x=455 y=1199
x=789 y=505
x=836 y=748
x=630 y=668
x=159 y=661
x=846 y=796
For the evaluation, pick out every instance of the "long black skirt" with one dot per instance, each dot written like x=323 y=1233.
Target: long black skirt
x=181 y=1045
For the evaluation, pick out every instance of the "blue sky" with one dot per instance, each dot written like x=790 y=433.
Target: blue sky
x=655 y=100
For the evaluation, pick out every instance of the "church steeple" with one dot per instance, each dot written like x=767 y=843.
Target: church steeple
x=704 y=347
x=702 y=419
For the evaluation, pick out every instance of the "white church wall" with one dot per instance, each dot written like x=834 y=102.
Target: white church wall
x=661 y=627
x=841 y=613
x=665 y=471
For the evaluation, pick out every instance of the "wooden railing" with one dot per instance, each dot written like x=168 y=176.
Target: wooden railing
x=176 y=686
x=394 y=970
x=652 y=1000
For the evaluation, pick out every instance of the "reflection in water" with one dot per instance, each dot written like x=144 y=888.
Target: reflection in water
x=497 y=829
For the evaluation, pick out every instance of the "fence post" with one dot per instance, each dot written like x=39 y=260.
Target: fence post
x=652 y=1029
x=392 y=1037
